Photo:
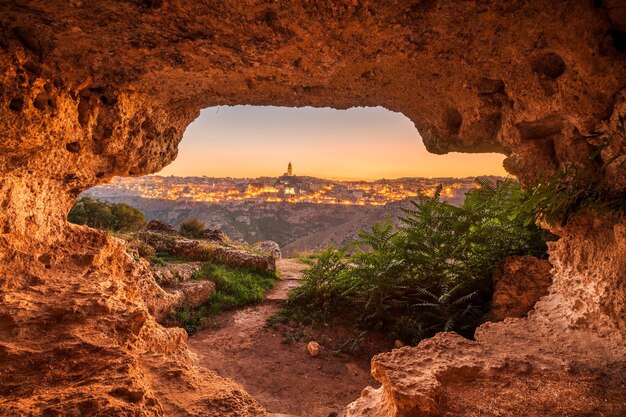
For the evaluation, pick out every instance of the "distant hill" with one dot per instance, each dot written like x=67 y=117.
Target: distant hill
x=239 y=208
x=296 y=227
x=345 y=233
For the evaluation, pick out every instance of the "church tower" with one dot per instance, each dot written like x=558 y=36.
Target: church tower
x=290 y=169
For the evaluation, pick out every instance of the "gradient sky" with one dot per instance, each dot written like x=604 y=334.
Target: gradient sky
x=358 y=143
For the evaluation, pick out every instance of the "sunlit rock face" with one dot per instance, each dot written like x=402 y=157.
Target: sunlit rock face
x=90 y=90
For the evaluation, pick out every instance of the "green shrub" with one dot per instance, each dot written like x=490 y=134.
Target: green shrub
x=157 y=260
x=321 y=287
x=107 y=216
x=234 y=288
x=192 y=228
x=431 y=274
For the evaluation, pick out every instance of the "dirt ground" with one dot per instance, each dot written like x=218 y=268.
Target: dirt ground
x=272 y=363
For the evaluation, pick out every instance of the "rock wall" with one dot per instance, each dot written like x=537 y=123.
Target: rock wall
x=89 y=90
x=518 y=283
x=78 y=339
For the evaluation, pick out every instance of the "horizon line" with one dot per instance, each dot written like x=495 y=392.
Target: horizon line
x=322 y=178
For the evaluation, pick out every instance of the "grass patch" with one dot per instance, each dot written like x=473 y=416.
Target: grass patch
x=234 y=288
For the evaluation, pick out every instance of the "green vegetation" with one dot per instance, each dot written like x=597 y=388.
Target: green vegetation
x=556 y=197
x=431 y=274
x=192 y=228
x=106 y=216
x=234 y=287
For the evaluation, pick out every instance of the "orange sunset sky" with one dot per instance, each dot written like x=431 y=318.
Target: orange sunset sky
x=359 y=143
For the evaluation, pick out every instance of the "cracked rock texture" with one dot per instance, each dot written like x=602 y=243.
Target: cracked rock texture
x=519 y=282
x=89 y=90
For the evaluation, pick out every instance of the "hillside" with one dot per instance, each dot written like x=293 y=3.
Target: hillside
x=295 y=227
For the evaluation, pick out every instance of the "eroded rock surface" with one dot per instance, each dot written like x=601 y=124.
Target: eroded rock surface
x=175 y=273
x=513 y=368
x=96 y=89
x=179 y=290
x=78 y=339
x=205 y=251
x=519 y=282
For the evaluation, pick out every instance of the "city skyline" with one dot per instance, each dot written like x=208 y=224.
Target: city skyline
x=288 y=188
x=355 y=144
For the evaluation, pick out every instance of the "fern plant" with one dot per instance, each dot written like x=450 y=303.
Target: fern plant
x=446 y=309
x=322 y=287
x=430 y=274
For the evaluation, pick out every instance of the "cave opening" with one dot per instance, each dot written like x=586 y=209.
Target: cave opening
x=81 y=103
x=348 y=169
x=360 y=143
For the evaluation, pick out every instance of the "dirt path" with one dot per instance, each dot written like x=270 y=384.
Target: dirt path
x=281 y=376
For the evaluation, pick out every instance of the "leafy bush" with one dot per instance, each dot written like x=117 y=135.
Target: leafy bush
x=157 y=260
x=107 y=216
x=432 y=274
x=321 y=286
x=234 y=287
x=192 y=228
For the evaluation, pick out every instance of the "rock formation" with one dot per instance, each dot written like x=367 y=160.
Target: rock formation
x=268 y=247
x=172 y=274
x=91 y=90
x=175 y=278
x=511 y=369
x=519 y=282
x=205 y=251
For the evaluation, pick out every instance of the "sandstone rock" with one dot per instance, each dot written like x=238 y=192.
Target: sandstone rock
x=170 y=296
x=159 y=226
x=313 y=348
x=174 y=273
x=519 y=282
x=214 y=235
x=268 y=247
x=193 y=294
x=241 y=258
x=448 y=375
x=99 y=319
x=195 y=250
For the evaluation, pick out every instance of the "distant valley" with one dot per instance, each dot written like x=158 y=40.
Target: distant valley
x=297 y=226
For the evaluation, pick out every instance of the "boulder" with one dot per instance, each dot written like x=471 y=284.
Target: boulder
x=171 y=274
x=159 y=226
x=214 y=235
x=268 y=247
x=192 y=294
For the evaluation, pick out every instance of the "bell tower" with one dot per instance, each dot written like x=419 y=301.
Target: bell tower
x=290 y=169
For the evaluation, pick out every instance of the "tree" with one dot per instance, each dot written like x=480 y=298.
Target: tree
x=107 y=216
